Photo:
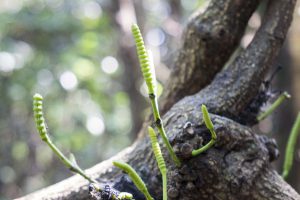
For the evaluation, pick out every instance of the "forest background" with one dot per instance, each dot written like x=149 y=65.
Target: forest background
x=81 y=57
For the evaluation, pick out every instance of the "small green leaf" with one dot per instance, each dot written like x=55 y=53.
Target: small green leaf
x=73 y=159
x=206 y=118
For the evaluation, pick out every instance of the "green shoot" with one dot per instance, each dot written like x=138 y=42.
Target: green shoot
x=139 y=183
x=210 y=127
x=69 y=163
x=41 y=127
x=160 y=160
x=149 y=76
x=290 y=148
x=277 y=103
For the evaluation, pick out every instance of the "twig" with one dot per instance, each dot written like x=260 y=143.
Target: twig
x=41 y=127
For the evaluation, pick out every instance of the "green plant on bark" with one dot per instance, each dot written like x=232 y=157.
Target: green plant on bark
x=107 y=192
x=209 y=125
x=160 y=160
x=139 y=183
x=71 y=163
x=148 y=72
x=42 y=129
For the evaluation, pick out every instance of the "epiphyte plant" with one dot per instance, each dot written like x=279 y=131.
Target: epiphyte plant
x=107 y=192
x=42 y=129
x=160 y=160
x=148 y=72
x=290 y=148
x=209 y=125
x=139 y=183
x=146 y=66
x=95 y=189
x=137 y=180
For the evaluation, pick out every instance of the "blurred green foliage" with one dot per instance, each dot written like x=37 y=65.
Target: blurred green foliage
x=56 y=48
x=66 y=50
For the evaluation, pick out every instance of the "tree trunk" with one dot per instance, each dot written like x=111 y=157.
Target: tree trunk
x=238 y=165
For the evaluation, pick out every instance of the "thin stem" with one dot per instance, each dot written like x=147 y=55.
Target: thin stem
x=67 y=162
x=148 y=72
x=209 y=125
x=154 y=105
x=204 y=148
x=277 y=103
x=94 y=188
x=165 y=192
x=161 y=130
x=290 y=148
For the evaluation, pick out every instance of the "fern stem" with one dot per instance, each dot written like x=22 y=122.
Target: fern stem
x=41 y=127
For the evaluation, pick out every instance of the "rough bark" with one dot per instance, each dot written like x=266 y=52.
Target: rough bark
x=208 y=41
x=234 y=88
x=238 y=166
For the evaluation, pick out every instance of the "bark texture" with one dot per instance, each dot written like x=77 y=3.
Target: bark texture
x=208 y=41
x=238 y=166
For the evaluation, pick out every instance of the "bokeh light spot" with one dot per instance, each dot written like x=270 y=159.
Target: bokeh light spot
x=95 y=125
x=92 y=10
x=7 y=62
x=68 y=80
x=109 y=65
x=155 y=37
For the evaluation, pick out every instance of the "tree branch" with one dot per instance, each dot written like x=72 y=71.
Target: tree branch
x=237 y=167
x=265 y=188
x=233 y=89
x=208 y=41
x=75 y=187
